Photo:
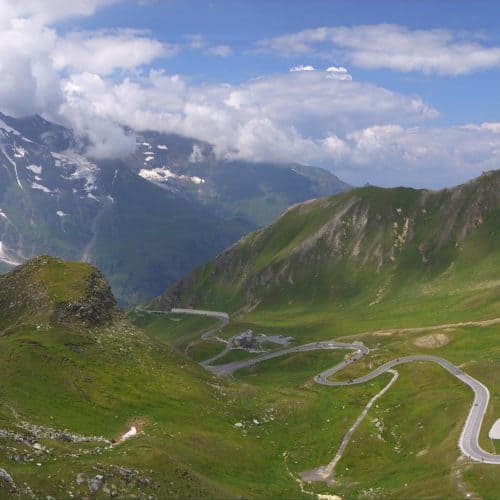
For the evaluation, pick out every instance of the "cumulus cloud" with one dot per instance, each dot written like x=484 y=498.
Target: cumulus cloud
x=107 y=136
x=362 y=131
x=48 y=11
x=302 y=67
x=104 y=52
x=281 y=117
x=29 y=82
x=339 y=72
x=33 y=57
x=392 y=154
x=391 y=46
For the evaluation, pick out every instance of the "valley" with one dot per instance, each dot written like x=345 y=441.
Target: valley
x=434 y=319
x=249 y=250
x=369 y=316
x=270 y=417
x=469 y=438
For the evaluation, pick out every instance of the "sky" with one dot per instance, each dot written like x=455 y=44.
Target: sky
x=382 y=92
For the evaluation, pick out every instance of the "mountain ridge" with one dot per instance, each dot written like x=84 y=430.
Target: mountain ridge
x=359 y=238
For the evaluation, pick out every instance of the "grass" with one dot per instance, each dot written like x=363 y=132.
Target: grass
x=416 y=453
x=107 y=378
x=343 y=267
x=98 y=381
x=176 y=330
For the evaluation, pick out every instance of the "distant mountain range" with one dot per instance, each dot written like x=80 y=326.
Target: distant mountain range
x=145 y=220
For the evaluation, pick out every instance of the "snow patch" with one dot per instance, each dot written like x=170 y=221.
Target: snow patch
x=162 y=146
x=36 y=169
x=196 y=180
x=3 y=215
x=132 y=432
x=40 y=187
x=163 y=174
x=149 y=158
x=19 y=152
x=6 y=257
x=83 y=169
x=60 y=213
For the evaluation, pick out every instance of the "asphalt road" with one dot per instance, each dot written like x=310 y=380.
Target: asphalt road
x=469 y=438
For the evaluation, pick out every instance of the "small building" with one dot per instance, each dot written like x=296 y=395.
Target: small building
x=245 y=339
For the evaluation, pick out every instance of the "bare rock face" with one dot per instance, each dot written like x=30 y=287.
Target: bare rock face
x=6 y=480
x=96 y=306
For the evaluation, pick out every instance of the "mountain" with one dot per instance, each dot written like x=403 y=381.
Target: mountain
x=257 y=192
x=146 y=220
x=363 y=247
x=410 y=278
x=76 y=376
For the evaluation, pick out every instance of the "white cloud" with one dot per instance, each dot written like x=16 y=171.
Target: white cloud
x=104 y=52
x=302 y=67
x=48 y=11
x=362 y=131
x=282 y=117
x=201 y=43
x=220 y=50
x=422 y=156
x=339 y=73
x=305 y=117
x=391 y=46
x=29 y=83
x=334 y=72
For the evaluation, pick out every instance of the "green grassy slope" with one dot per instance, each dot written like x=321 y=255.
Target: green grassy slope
x=360 y=250
x=68 y=370
x=355 y=266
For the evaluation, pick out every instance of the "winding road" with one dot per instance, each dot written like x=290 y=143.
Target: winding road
x=469 y=438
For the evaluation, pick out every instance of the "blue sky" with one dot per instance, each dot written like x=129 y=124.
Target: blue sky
x=410 y=98
x=241 y=23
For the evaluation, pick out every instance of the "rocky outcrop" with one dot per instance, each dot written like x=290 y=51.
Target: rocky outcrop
x=46 y=289
x=6 y=480
x=96 y=306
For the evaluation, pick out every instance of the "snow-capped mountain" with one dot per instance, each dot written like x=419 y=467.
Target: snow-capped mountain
x=146 y=220
x=258 y=192
x=48 y=190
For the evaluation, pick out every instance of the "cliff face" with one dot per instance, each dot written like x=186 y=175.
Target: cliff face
x=343 y=246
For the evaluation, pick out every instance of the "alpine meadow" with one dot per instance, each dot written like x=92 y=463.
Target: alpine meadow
x=249 y=250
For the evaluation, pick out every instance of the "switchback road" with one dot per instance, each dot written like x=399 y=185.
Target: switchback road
x=469 y=438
